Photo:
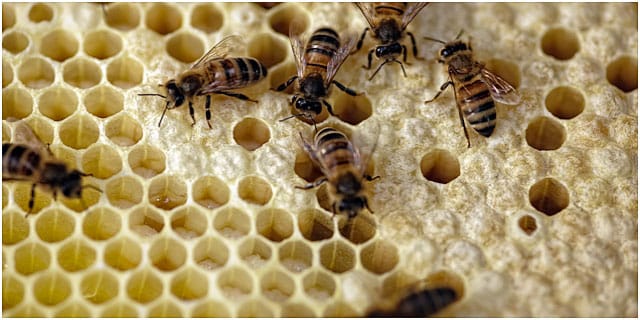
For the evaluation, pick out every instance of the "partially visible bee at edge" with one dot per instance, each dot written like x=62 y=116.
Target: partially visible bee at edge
x=343 y=167
x=317 y=63
x=212 y=74
x=475 y=88
x=387 y=22
x=419 y=304
x=28 y=159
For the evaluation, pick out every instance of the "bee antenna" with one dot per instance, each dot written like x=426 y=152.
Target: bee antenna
x=166 y=107
x=459 y=33
x=434 y=39
x=152 y=95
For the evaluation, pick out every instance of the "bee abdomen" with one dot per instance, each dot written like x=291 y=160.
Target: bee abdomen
x=478 y=107
x=243 y=71
x=426 y=302
x=390 y=8
x=18 y=160
x=321 y=47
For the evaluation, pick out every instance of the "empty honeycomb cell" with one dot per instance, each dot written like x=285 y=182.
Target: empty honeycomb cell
x=122 y=16
x=340 y=309
x=210 y=192
x=235 y=282
x=79 y=132
x=255 y=309
x=15 y=42
x=120 y=310
x=51 y=288
x=57 y=103
x=379 y=257
x=254 y=190
x=28 y=311
x=274 y=224
x=167 y=254
x=14 y=226
x=144 y=286
x=7 y=74
x=76 y=255
x=319 y=285
x=232 y=223
x=189 y=284
x=267 y=48
x=101 y=223
x=254 y=252
x=167 y=192
x=81 y=73
x=5 y=196
x=40 y=12
x=59 y=45
x=125 y=131
x=315 y=225
x=528 y=224
x=207 y=17
x=549 y=196
x=90 y=197
x=440 y=166
x=16 y=103
x=165 y=309
x=280 y=74
x=337 y=256
x=101 y=161
x=210 y=253
x=281 y=17
x=251 y=133
x=12 y=291
x=22 y=195
x=124 y=192
x=277 y=285
x=544 y=133
x=350 y=109
x=54 y=225
x=560 y=43
x=8 y=16
x=324 y=199
x=446 y=279
x=122 y=254
x=359 y=229
x=102 y=44
x=565 y=102
x=73 y=309
x=31 y=257
x=295 y=255
x=43 y=130
x=189 y=222
x=125 y=72
x=148 y=161
x=99 y=286
x=146 y=221
x=210 y=309
x=163 y=18
x=103 y=101
x=185 y=47
x=623 y=73
x=297 y=310
x=507 y=70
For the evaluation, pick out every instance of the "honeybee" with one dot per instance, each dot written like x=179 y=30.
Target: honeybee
x=30 y=160
x=388 y=21
x=419 y=304
x=475 y=87
x=212 y=74
x=343 y=168
x=317 y=63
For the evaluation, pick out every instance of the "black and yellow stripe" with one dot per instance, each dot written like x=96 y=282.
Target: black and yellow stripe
x=320 y=49
x=477 y=105
x=19 y=161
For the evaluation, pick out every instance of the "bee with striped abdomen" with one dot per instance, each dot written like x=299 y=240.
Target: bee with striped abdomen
x=343 y=167
x=214 y=73
x=388 y=21
x=317 y=63
x=28 y=159
x=475 y=88
x=419 y=304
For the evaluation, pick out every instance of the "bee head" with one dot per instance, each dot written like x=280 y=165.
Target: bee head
x=351 y=206
x=390 y=51
x=307 y=106
x=174 y=93
x=71 y=184
x=452 y=48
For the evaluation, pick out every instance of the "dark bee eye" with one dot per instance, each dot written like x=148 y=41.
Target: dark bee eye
x=444 y=52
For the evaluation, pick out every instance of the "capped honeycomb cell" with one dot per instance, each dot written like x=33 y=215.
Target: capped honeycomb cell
x=359 y=229
x=350 y=109
x=40 y=12
x=55 y=225
x=185 y=47
x=210 y=253
x=103 y=101
x=337 y=256
x=122 y=254
x=14 y=226
x=549 y=196
x=122 y=16
x=15 y=42
x=267 y=48
x=81 y=73
x=315 y=225
x=59 y=45
x=125 y=72
x=255 y=309
x=8 y=16
x=560 y=43
x=165 y=309
x=210 y=309
x=76 y=255
x=167 y=254
x=319 y=285
x=101 y=223
x=102 y=44
x=235 y=282
x=12 y=291
x=295 y=255
x=210 y=192
x=58 y=103
x=281 y=17
x=297 y=310
x=16 y=103
x=119 y=310
x=167 y=192
x=189 y=284
x=528 y=224
x=339 y=309
x=74 y=309
x=31 y=257
x=544 y=133
x=51 y=288
x=379 y=257
x=146 y=221
x=251 y=133
x=163 y=18
x=254 y=252
x=506 y=70
x=7 y=74
x=144 y=286
x=232 y=222
x=565 y=102
x=623 y=73
x=274 y=224
x=101 y=161
x=124 y=192
x=207 y=17
x=79 y=132
x=440 y=166
x=99 y=286
x=189 y=222
x=277 y=285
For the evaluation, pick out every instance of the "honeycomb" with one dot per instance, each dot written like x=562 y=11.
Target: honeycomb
x=540 y=219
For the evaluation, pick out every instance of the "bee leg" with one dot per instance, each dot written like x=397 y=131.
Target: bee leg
x=348 y=91
x=286 y=84
x=402 y=67
x=366 y=205
x=370 y=178
x=415 y=48
x=464 y=127
x=192 y=113
x=32 y=199
x=404 y=54
x=359 y=45
x=369 y=57
x=237 y=95
x=329 y=107
x=442 y=88
x=378 y=69
x=207 y=109
x=312 y=185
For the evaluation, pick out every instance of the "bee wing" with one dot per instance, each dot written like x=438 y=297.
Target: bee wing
x=296 y=30
x=23 y=134
x=410 y=13
x=367 y=11
x=500 y=89
x=348 y=43
x=220 y=50
x=364 y=143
